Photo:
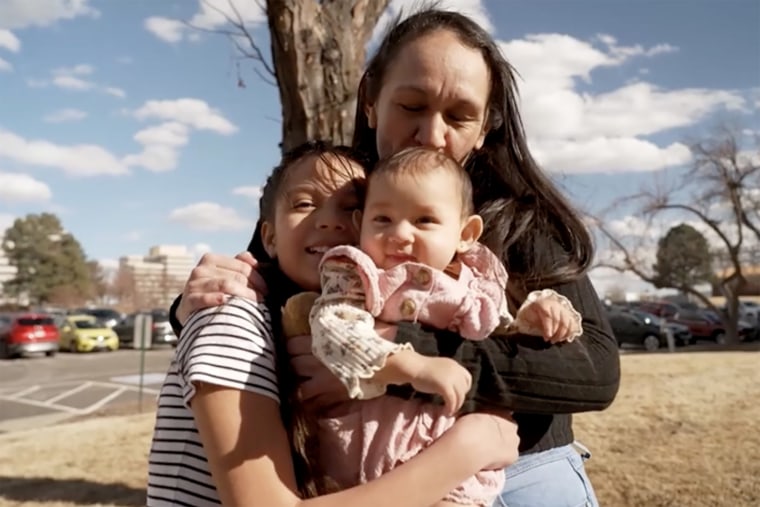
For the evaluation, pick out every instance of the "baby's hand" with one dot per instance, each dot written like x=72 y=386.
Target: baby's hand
x=433 y=375
x=556 y=322
x=445 y=377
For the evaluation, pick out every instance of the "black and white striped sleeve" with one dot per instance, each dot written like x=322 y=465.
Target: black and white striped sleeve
x=231 y=346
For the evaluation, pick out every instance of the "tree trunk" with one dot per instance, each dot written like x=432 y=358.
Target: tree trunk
x=731 y=289
x=318 y=54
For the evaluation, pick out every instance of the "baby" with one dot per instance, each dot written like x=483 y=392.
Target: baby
x=418 y=260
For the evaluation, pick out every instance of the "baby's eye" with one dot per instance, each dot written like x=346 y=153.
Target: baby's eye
x=381 y=219
x=303 y=205
x=426 y=220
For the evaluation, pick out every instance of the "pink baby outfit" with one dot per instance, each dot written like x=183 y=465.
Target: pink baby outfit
x=473 y=304
x=376 y=434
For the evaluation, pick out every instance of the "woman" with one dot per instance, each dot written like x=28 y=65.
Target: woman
x=439 y=80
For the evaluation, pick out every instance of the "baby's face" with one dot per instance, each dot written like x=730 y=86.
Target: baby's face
x=413 y=217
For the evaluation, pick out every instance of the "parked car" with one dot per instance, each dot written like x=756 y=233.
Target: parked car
x=631 y=327
x=681 y=333
x=749 y=311
x=161 y=329
x=85 y=333
x=26 y=333
x=702 y=323
x=746 y=330
x=107 y=316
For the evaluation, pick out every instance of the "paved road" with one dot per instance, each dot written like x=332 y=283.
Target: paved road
x=67 y=385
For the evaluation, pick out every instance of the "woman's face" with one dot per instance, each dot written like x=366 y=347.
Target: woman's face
x=435 y=94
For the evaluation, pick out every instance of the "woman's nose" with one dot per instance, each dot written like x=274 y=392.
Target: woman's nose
x=431 y=132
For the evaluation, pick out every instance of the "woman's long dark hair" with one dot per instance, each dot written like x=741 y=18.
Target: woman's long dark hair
x=311 y=480
x=528 y=223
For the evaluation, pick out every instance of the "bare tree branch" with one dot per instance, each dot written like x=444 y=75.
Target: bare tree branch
x=725 y=200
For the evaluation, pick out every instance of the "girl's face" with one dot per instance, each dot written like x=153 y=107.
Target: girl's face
x=435 y=94
x=312 y=214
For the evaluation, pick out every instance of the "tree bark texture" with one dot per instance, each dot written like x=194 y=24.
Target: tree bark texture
x=318 y=55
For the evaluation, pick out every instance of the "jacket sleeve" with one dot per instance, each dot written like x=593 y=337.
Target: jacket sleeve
x=524 y=373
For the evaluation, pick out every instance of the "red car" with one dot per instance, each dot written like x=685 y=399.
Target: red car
x=25 y=333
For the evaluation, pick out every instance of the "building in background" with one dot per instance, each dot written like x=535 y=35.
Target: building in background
x=7 y=273
x=153 y=280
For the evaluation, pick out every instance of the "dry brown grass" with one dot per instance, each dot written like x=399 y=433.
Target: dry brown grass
x=684 y=431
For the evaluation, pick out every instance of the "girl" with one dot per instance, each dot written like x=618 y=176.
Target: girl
x=225 y=409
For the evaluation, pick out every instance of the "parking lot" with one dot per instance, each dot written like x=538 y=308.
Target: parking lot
x=52 y=389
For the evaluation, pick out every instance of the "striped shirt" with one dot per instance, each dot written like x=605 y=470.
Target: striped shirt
x=231 y=346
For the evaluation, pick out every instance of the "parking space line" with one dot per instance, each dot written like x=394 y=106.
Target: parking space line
x=42 y=404
x=148 y=390
x=24 y=392
x=68 y=393
x=104 y=400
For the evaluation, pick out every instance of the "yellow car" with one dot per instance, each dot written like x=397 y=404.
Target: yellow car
x=84 y=333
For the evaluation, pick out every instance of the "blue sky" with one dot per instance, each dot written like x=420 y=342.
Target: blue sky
x=133 y=130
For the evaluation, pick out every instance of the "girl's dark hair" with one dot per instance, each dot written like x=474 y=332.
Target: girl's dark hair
x=311 y=481
x=526 y=217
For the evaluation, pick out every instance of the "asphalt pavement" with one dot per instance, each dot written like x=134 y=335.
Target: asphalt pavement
x=44 y=390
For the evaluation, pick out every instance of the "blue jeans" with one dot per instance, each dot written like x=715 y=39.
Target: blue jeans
x=553 y=478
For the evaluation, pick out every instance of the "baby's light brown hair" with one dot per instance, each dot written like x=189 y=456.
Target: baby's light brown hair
x=419 y=160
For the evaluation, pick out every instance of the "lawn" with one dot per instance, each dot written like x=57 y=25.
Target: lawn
x=684 y=431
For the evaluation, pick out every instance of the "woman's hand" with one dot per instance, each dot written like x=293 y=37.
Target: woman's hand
x=217 y=277
x=319 y=388
x=494 y=437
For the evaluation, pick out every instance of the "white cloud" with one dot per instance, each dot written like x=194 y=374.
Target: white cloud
x=169 y=134
x=254 y=192
x=211 y=14
x=75 y=79
x=23 y=13
x=70 y=78
x=18 y=187
x=81 y=69
x=472 y=8
x=116 y=92
x=192 y=112
x=9 y=41
x=169 y=30
x=577 y=131
x=75 y=160
x=72 y=83
x=624 y=52
x=161 y=143
x=5 y=66
x=210 y=216
x=603 y=154
x=160 y=146
x=65 y=115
